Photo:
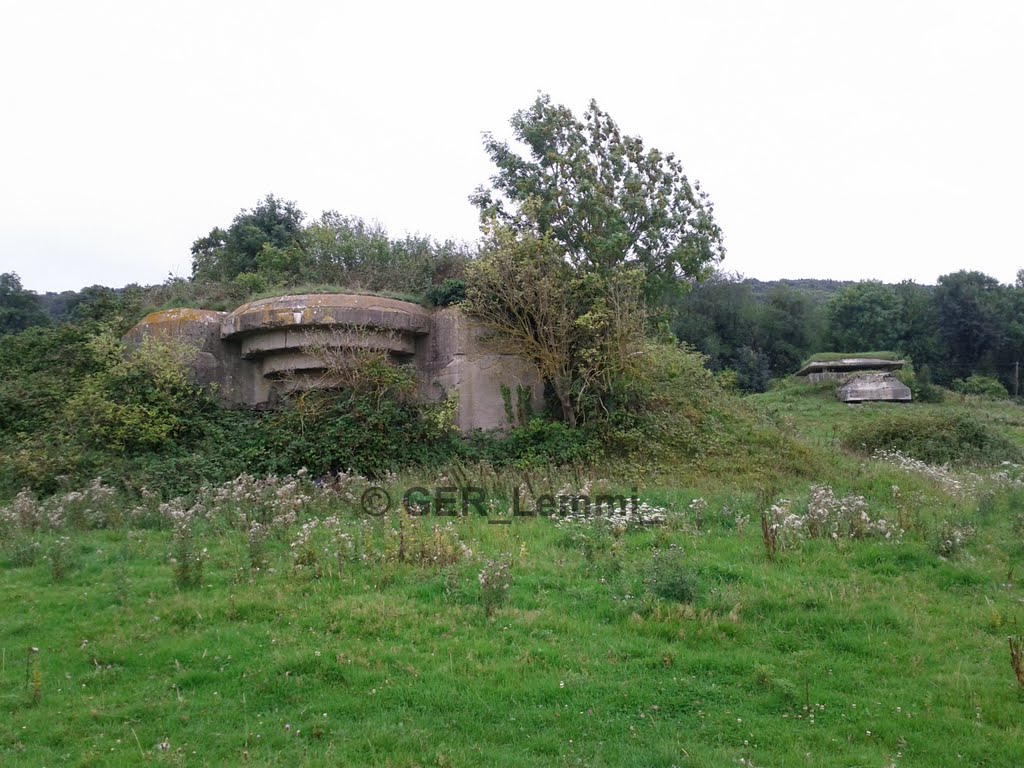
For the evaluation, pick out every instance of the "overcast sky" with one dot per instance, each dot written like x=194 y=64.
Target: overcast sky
x=842 y=140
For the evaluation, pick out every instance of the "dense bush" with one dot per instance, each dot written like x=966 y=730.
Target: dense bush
x=937 y=438
x=539 y=442
x=451 y=291
x=920 y=383
x=674 y=412
x=75 y=406
x=984 y=386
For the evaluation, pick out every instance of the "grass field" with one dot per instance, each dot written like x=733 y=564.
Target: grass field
x=371 y=641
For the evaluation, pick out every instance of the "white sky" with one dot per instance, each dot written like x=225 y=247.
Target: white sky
x=843 y=140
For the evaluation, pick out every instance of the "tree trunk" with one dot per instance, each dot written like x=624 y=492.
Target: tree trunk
x=565 y=400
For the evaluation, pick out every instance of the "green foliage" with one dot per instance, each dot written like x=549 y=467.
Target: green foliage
x=670 y=577
x=917 y=335
x=920 y=383
x=116 y=309
x=19 y=308
x=61 y=558
x=758 y=337
x=271 y=248
x=369 y=435
x=716 y=317
x=451 y=291
x=494 y=578
x=524 y=404
x=41 y=367
x=934 y=437
x=347 y=250
x=605 y=199
x=272 y=224
x=752 y=369
x=673 y=412
x=188 y=558
x=252 y=284
x=786 y=328
x=538 y=443
x=863 y=316
x=983 y=386
x=972 y=310
x=506 y=402
x=135 y=402
x=968 y=324
x=579 y=329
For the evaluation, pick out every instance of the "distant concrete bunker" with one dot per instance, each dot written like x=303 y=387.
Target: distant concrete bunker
x=266 y=349
x=861 y=379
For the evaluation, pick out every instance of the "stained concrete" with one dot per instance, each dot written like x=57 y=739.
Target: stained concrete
x=837 y=370
x=259 y=353
x=866 y=387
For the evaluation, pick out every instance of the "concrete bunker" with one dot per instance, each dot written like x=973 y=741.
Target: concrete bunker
x=256 y=355
x=861 y=379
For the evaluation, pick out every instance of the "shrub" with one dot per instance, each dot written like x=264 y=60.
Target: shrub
x=673 y=411
x=61 y=558
x=920 y=383
x=983 y=386
x=186 y=557
x=538 y=442
x=451 y=291
x=936 y=438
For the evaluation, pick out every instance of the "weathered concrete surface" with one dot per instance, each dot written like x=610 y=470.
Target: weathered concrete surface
x=198 y=328
x=460 y=360
x=259 y=353
x=827 y=370
x=874 y=386
x=320 y=310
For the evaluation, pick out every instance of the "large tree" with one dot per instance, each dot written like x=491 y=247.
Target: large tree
x=601 y=196
x=971 y=312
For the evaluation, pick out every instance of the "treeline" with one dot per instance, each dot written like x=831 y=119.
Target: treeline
x=967 y=325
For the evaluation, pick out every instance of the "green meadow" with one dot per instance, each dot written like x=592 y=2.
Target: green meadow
x=270 y=622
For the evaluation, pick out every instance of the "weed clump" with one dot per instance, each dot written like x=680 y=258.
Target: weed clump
x=670 y=577
x=494 y=578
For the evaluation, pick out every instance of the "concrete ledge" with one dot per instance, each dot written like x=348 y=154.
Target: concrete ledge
x=848 y=364
x=319 y=310
x=275 y=342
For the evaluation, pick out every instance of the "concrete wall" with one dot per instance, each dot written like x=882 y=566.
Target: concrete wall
x=199 y=328
x=869 y=387
x=460 y=360
x=251 y=357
